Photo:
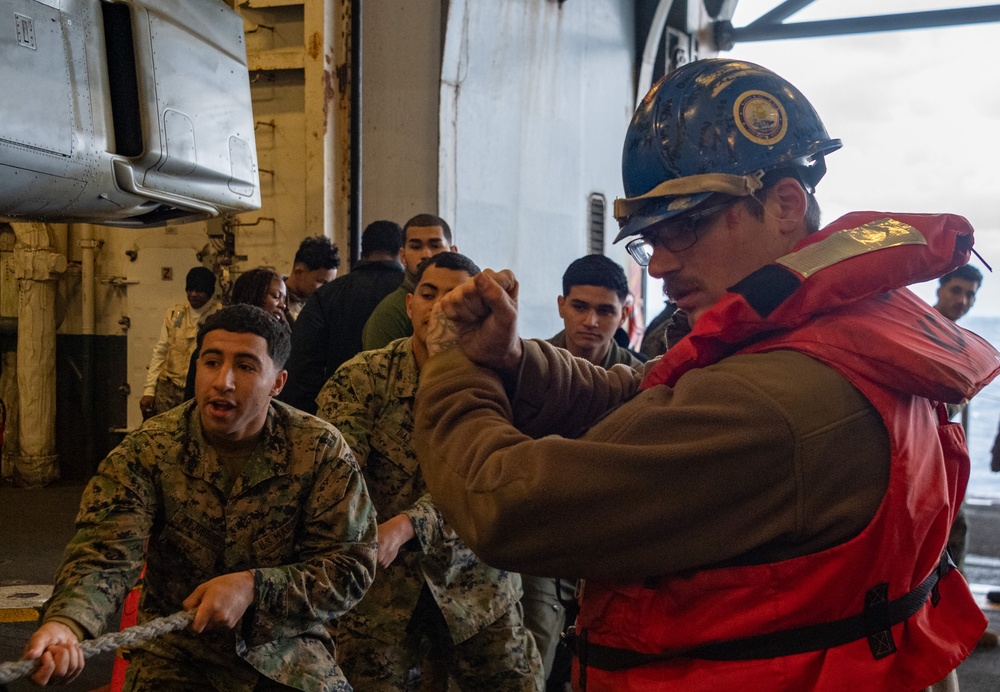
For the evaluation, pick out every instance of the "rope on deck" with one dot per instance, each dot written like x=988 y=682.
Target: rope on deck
x=109 y=642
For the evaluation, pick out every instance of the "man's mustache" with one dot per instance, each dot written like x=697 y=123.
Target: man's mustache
x=675 y=286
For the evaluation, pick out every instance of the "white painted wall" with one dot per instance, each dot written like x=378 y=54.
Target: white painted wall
x=536 y=97
x=401 y=66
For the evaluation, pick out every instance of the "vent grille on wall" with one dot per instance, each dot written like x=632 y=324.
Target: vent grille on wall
x=595 y=222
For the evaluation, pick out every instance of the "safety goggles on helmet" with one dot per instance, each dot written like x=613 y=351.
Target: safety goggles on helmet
x=674 y=198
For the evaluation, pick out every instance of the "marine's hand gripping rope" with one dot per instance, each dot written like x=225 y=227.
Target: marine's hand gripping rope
x=109 y=642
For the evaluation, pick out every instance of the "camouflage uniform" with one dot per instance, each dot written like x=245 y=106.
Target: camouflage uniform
x=370 y=400
x=298 y=516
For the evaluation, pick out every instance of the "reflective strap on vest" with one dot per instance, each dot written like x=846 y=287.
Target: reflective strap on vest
x=873 y=624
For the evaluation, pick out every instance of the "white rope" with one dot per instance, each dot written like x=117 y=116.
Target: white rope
x=109 y=642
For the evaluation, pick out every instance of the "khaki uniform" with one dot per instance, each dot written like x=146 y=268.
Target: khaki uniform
x=370 y=400
x=168 y=366
x=298 y=515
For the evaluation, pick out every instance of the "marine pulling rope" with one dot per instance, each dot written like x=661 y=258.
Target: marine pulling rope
x=109 y=642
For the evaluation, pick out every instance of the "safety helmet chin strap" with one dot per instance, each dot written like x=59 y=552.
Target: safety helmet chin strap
x=736 y=185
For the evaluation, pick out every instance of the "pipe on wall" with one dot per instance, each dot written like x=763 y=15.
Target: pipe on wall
x=651 y=49
x=329 y=120
x=340 y=63
x=88 y=291
x=355 y=10
x=88 y=287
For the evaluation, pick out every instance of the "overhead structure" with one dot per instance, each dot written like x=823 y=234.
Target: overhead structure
x=772 y=26
x=689 y=29
x=128 y=113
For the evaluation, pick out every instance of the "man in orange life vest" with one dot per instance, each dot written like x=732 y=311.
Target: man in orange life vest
x=767 y=505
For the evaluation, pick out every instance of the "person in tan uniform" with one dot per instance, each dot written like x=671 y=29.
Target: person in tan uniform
x=168 y=366
x=315 y=265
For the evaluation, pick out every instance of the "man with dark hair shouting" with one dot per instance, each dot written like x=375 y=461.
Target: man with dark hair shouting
x=245 y=510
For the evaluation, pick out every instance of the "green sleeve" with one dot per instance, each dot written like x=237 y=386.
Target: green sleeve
x=336 y=557
x=104 y=558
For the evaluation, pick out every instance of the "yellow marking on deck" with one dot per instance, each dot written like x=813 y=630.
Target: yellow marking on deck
x=18 y=615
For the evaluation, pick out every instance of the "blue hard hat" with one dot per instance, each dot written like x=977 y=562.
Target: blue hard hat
x=715 y=126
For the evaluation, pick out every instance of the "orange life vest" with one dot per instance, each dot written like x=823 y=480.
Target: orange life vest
x=881 y=611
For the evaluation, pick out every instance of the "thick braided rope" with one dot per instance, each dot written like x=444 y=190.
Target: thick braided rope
x=109 y=642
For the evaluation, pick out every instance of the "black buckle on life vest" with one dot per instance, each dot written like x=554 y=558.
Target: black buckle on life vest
x=873 y=624
x=877 y=621
x=577 y=643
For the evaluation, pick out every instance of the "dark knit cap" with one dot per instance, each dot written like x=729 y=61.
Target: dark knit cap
x=200 y=279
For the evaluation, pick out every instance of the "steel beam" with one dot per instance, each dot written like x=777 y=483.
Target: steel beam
x=727 y=36
x=781 y=12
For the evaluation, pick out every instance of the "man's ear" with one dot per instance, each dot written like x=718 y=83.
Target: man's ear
x=561 y=304
x=789 y=204
x=409 y=311
x=454 y=248
x=279 y=382
x=940 y=293
x=626 y=312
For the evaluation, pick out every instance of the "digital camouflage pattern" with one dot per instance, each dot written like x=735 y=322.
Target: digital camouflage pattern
x=168 y=395
x=370 y=400
x=298 y=515
x=500 y=658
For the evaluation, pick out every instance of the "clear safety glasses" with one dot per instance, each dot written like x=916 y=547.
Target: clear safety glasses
x=677 y=234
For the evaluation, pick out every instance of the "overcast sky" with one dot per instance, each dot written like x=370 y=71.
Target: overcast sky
x=918 y=112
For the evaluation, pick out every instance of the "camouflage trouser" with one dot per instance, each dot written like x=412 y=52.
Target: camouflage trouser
x=168 y=395
x=149 y=673
x=500 y=658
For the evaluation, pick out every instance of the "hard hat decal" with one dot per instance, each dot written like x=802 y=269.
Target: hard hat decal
x=760 y=117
